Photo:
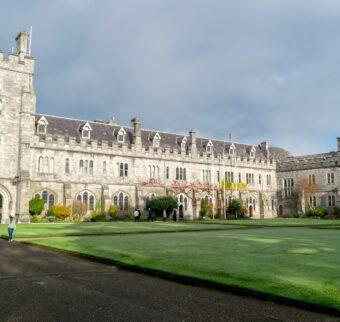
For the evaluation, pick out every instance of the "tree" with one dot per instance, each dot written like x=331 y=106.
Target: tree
x=36 y=206
x=305 y=188
x=237 y=208
x=79 y=210
x=158 y=204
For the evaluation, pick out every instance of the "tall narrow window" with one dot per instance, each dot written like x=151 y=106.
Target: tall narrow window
x=91 y=202
x=126 y=168
x=52 y=165
x=86 y=166
x=121 y=170
x=81 y=166
x=41 y=165
x=67 y=166
x=167 y=173
x=46 y=165
x=104 y=168
x=91 y=167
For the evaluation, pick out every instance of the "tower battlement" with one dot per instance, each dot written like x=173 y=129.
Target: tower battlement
x=20 y=60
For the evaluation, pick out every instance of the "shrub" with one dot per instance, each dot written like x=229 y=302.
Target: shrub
x=98 y=216
x=158 y=204
x=112 y=212
x=36 y=206
x=319 y=212
x=204 y=208
x=60 y=212
x=79 y=210
x=336 y=212
x=237 y=208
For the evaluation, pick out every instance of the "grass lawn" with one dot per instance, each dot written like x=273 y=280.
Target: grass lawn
x=281 y=222
x=104 y=228
x=296 y=263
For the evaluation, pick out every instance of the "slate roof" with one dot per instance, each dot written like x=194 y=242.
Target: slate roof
x=107 y=132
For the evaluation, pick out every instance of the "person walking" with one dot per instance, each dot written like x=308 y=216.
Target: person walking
x=174 y=215
x=164 y=215
x=11 y=228
x=136 y=214
x=149 y=215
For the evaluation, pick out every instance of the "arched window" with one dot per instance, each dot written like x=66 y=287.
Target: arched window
x=67 y=166
x=91 y=202
x=87 y=198
x=121 y=201
x=51 y=200
x=47 y=196
x=182 y=200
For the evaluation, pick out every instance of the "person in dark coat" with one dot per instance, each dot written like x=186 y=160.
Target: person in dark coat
x=139 y=214
x=174 y=215
x=149 y=214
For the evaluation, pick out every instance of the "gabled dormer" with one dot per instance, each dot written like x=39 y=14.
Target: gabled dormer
x=209 y=147
x=184 y=143
x=156 y=140
x=252 y=152
x=86 y=131
x=232 y=150
x=121 y=135
x=42 y=125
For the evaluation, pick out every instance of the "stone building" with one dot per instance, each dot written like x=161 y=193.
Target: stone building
x=101 y=163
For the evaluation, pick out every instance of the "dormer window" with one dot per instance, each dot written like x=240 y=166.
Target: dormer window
x=121 y=136
x=42 y=125
x=86 y=131
x=156 y=140
x=252 y=152
x=184 y=143
x=232 y=150
x=209 y=147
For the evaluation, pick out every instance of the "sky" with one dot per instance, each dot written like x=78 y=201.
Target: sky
x=261 y=70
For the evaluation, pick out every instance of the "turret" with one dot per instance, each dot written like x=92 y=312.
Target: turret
x=22 y=44
x=264 y=148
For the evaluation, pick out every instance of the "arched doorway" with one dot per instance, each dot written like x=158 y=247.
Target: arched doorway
x=5 y=205
x=250 y=211
x=280 y=214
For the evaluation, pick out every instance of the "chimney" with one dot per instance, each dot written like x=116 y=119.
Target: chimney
x=264 y=148
x=192 y=142
x=338 y=141
x=137 y=133
x=22 y=44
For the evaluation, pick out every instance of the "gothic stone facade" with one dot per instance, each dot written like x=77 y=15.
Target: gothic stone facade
x=63 y=160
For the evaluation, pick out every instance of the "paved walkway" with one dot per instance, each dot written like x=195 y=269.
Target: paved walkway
x=42 y=285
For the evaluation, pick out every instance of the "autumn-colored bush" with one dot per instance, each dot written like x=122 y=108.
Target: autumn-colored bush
x=60 y=212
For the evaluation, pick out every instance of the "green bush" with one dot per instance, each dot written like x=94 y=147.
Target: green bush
x=204 y=209
x=36 y=206
x=98 y=216
x=158 y=204
x=320 y=212
x=112 y=212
